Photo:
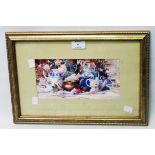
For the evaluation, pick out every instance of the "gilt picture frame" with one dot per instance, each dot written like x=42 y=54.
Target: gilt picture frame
x=89 y=77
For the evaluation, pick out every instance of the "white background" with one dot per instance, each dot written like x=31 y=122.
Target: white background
x=73 y=140
x=5 y=107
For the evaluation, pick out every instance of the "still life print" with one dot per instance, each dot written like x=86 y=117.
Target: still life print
x=78 y=78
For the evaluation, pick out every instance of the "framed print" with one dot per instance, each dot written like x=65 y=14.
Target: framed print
x=79 y=77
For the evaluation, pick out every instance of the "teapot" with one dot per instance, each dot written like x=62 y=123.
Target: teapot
x=92 y=83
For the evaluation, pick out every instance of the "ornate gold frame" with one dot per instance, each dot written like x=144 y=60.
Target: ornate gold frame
x=142 y=36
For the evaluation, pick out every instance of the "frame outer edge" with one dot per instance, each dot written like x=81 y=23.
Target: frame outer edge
x=14 y=84
x=147 y=76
